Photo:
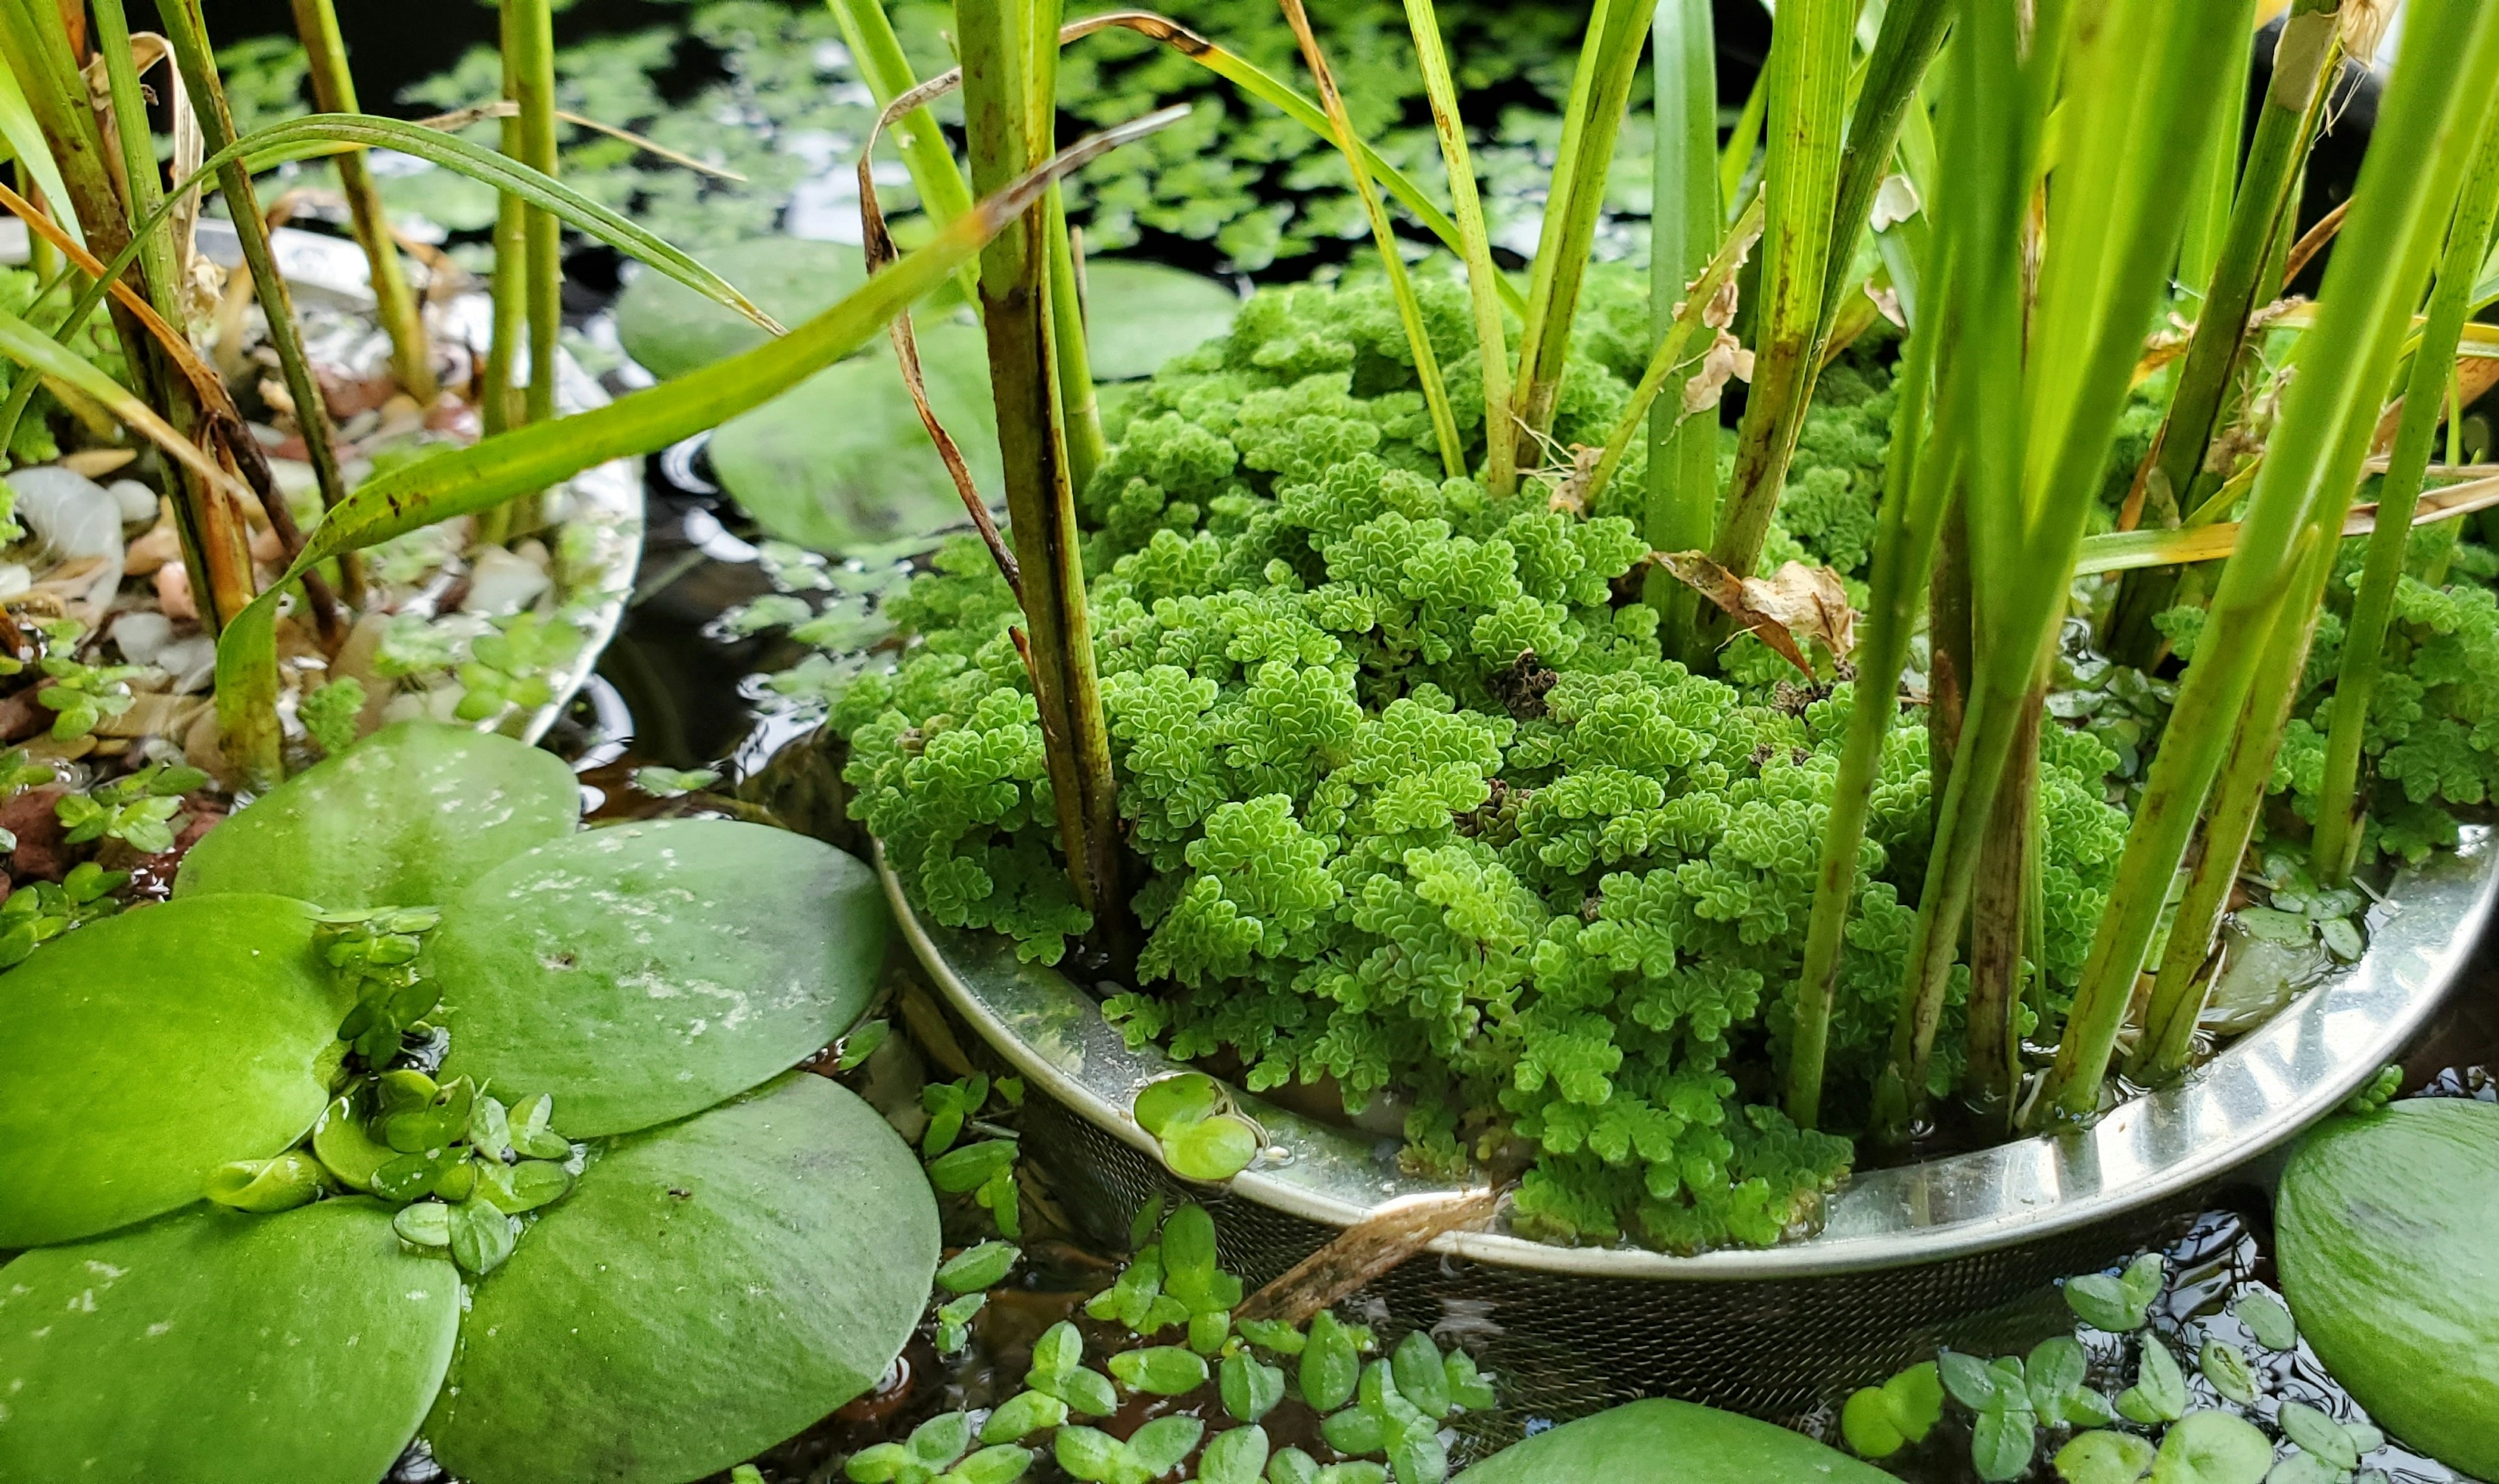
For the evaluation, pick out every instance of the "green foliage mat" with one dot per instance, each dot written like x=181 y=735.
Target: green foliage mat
x=710 y=1284
x=1671 y=1442
x=1415 y=804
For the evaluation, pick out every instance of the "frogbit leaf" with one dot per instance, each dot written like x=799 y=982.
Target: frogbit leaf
x=2268 y=1320
x=2213 y=1449
x=642 y=972
x=1173 y=1100
x=2228 y=1370
x=267 y=1185
x=2118 y=1305
x=2001 y=1444
x=708 y=1289
x=2159 y=1391
x=215 y=1347
x=2104 y=1458
x=977 y=1267
x=406 y=818
x=2319 y=1435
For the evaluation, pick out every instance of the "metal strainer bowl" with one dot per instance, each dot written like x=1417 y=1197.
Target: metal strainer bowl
x=1962 y=1249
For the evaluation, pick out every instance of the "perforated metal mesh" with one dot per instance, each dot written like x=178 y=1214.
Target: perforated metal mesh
x=1565 y=1346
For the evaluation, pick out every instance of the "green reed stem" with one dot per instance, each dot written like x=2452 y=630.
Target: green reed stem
x=2364 y=645
x=1080 y=412
x=1592 y=124
x=1743 y=141
x=334 y=91
x=2417 y=153
x=1474 y=242
x=529 y=50
x=2216 y=179
x=1683 y=226
x=2261 y=223
x=2180 y=987
x=878 y=54
x=187 y=30
x=2001 y=925
x=1383 y=235
x=1000 y=111
x=1906 y=525
x=220 y=554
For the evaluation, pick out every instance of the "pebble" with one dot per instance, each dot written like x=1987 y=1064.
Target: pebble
x=141 y=635
x=138 y=501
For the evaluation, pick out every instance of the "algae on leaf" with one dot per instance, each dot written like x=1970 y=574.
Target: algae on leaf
x=711 y=1289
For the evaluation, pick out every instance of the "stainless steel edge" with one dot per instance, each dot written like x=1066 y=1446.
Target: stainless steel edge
x=2262 y=1090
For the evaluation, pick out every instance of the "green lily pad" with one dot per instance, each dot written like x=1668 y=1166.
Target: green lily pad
x=219 y=1348
x=1138 y=315
x=2384 y=1225
x=645 y=972
x=1671 y=1442
x=841 y=462
x=140 y=1052
x=403 y=818
x=672 y=329
x=708 y=1289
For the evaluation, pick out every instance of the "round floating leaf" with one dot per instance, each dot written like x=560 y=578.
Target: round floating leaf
x=707 y=1290
x=1214 y=1149
x=672 y=329
x=142 y=1052
x=842 y=464
x=643 y=972
x=2213 y=1449
x=1138 y=315
x=1671 y=1442
x=403 y=818
x=212 y=1347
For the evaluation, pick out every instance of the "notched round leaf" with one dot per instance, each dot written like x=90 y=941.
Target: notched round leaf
x=219 y=1348
x=405 y=818
x=708 y=1289
x=643 y=972
x=140 y=1052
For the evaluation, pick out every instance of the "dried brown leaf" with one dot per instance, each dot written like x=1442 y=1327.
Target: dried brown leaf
x=1794 y=602
x=1367 y=1249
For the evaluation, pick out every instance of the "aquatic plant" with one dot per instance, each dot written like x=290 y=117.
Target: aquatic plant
x=500 y=1139
x=1373 y=737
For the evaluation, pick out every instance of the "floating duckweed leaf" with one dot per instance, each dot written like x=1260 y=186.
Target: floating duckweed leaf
x=405 y=818
x=2319 y=1435
x=1671 y=1442
x=968 y=1168
x=1171 y=1101
x=1331 y=1366
x=2213 y=1449
x=1212 y=1150
x=643 y=972
x=1969 y=1380
x=842 y=464
x=1250 y=1387
x=458 y=1181
x=2159 y=1391
x=1163 y=1371
x=1160 y=1444
x=1138 y=315
x=672 y=329
x=955 y=1321
x=2118 y=1305
x=528 y=1123
x=2268 y=1321
x=2001 y=1444
x=265 y=1186
x=1902 y=1410
x=1291 y=1466
x=490 y=1127
x=2305 y=1468
x=2227 y=1369
x=1001 y=1464
x=407 y=1176
x=214 y=1347
x=427 y=1223
x=941 y=1440
x=224 y=1000
x=1422 y=1379
x=1021 y=1416
x=2104 y=1458
x=481 y=1236
x=708 y=1289
x=438 y=1123
x=1235 y=1457
x=977 y=1267
x=342 y=1143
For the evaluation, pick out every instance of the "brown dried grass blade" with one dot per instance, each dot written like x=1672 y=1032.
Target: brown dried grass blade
x=1367 y=1251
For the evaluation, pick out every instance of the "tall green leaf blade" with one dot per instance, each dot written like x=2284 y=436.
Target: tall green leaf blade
x=23 y=139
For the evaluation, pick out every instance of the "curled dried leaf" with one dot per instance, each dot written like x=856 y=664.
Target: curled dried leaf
x=1796 y=602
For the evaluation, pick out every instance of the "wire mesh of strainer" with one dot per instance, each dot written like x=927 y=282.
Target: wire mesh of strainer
x=1962 y=1250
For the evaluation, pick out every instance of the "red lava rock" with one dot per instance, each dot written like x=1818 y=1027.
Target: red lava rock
x=43 y=852
x=348 y=396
